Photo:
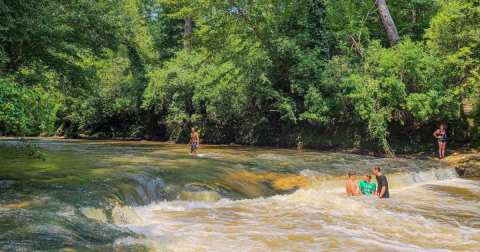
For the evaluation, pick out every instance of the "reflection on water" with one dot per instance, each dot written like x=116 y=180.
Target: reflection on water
x=91 y=195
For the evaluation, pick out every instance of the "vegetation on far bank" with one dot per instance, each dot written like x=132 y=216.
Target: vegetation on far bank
x=296 y=73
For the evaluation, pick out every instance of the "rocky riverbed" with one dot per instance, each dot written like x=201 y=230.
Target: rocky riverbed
x=466 y=162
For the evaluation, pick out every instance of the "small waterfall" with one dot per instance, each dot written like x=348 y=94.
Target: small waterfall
x=141 y=190
x=411 y=179
x=395 y=181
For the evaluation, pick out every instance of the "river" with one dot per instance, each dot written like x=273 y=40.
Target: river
x=147 y=196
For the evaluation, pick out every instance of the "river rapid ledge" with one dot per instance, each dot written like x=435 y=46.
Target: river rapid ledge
x=150 y=196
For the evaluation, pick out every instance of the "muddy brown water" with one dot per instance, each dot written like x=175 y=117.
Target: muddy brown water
x=132 y=196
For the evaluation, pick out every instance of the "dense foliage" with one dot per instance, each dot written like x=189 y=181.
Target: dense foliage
x=276 y=72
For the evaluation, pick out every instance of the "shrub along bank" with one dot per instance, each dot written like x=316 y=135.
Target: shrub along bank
x=283 y=73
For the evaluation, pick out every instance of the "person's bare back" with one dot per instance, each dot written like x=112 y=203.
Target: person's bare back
x=350 y=185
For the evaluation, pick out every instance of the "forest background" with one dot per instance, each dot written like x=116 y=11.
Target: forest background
x=260 y=72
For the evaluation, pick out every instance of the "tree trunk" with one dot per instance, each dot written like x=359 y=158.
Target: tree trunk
x=387 y=21
x=413 y=13
x=188 y=30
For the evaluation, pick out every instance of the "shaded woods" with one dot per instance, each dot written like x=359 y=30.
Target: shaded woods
x=262 y=72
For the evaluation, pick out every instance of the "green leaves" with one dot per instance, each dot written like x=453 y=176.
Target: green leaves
x=24 y=112
x=118 y=67
x=34 y=151
x=396 y=85
x=45 y=39
x=455 y=35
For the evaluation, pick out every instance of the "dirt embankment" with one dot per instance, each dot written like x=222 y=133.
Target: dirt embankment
x=467 y=163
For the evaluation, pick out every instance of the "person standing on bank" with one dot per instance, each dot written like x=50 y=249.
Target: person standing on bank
x=441 y=135
x=195 y=141
x=382 y=188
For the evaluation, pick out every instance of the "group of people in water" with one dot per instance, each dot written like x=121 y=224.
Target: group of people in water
x=366 y=186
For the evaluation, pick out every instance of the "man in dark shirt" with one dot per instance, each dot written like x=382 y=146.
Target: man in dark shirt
x=382 y=188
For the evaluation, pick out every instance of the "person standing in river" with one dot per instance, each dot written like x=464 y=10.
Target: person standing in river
x=367 y=187
x=441 y=135
x=382 y=188
x=350 y=186
x=195 y=141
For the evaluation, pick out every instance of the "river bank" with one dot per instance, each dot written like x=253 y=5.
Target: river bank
x=466 y=160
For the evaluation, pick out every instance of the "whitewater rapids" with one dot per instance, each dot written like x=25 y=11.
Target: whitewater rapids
x=431 y=210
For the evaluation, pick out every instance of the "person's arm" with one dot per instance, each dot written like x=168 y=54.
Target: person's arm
x=384 y=187
x=435 y=133
x=374 y=190
x=382 y=191
x=198 y=139
x=360 y=192
x=360 y=187
x=353 y=187
x=189 y=141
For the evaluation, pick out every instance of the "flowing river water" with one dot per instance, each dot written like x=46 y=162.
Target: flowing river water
x=144 y=196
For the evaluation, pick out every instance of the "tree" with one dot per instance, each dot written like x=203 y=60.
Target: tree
x=45 y=39
x=188 y=30
x=387 y=21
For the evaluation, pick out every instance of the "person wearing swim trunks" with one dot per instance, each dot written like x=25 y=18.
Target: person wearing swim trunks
x=441 y=135
x=382 y=188
x=367 y=187
x=195 y=141
x=350 y=186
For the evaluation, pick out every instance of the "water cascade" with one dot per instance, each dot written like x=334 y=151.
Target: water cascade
x=93 y=195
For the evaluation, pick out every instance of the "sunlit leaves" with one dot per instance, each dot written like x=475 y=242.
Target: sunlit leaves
x=25 y=111
x=50 y=36
x=400 y=84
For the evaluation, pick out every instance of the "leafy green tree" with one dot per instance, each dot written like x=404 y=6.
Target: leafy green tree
x=25 y=112
x=166 y=32
x=44 y=40
x=455 y=37
x=253 y=70
x=251 y=65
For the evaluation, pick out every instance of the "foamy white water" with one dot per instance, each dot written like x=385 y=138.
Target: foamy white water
x=82 y=199
x=430 y=210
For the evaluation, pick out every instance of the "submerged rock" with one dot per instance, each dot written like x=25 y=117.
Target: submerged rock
x=469 y=167
x=200 y=196
x=122 y=216
x=466 y=165
x=95 y=214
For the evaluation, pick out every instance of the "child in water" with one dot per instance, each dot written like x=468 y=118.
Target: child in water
x=367 y=187
x=350 y=186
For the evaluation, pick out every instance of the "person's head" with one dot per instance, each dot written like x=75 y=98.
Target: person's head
x=352 y=175
x=193 y=130
x=441 y=127
x=367 y=177
x=376 y=169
